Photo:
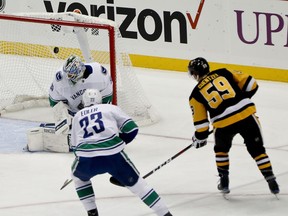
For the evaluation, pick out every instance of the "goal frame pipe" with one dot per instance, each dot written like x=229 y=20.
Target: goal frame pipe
x=110 y=28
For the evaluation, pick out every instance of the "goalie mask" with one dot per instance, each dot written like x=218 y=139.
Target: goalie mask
x=74 y=68
x=91 y=97
x=198 y=68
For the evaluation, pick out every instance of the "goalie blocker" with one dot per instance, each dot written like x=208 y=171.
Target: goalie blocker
x=52 y=137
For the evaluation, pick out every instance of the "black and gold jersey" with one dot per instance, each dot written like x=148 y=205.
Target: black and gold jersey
x=225 y=96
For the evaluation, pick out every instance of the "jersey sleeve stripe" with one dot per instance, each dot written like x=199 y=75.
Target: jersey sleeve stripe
x=250 y=84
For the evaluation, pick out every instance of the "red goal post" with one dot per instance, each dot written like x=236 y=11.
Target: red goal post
x=44 y=40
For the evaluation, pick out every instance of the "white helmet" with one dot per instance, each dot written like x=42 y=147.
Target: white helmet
x=91 y=97
x=74 y=68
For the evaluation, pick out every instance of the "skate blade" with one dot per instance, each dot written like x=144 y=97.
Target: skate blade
x=225 y=195
x=276 y=195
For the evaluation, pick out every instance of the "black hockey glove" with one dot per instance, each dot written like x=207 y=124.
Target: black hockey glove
x=128 y=137
x=198 y=143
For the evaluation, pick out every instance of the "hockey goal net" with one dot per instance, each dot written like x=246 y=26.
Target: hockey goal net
x=33 y=46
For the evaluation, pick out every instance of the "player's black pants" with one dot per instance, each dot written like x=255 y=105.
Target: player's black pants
x=250 y=130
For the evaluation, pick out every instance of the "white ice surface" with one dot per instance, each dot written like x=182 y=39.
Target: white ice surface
x=30 y=182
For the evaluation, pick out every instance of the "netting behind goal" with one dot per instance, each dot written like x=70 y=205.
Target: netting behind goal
x=33 y=47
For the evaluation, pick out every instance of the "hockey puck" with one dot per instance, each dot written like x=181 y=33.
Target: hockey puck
x=56 y=49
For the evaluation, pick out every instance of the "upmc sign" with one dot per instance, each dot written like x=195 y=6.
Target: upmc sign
x=273 y=24
x=161 y=24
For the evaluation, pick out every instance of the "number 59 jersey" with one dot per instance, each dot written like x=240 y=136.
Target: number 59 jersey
x=95 y=130
x=225 y=96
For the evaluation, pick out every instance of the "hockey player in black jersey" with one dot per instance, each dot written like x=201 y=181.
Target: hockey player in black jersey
x=225 y=95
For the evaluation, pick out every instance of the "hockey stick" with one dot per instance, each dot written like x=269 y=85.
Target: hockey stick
x=116 y=182
x=66 y=183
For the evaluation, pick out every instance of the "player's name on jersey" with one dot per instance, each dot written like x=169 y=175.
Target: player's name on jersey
x=88 y=111
x=207 y=79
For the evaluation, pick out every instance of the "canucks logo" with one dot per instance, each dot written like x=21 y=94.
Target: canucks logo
x=2 y=5
x=58 y=76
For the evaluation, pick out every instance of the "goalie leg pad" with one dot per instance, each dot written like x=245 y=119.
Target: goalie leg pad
x=55 y=142
x=46 y=138
x=35 y=139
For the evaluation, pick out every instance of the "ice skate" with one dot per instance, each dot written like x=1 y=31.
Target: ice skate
x=223 y=186
x=93 y=212
x=274 y=187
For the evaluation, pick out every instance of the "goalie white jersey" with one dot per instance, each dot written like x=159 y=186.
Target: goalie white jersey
x=95 y=130
x=95 y=76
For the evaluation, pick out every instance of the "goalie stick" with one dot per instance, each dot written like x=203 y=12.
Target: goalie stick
x=116 y=182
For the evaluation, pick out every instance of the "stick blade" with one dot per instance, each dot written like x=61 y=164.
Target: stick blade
x=66 y=183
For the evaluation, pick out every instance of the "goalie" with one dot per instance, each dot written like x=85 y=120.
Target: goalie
x=65 y=93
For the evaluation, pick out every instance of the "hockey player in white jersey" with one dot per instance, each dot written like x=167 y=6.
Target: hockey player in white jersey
x=71 y=81
x=99 y=135
x=65 y=93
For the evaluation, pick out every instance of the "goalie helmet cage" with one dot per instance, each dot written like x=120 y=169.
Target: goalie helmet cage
x=34 y=46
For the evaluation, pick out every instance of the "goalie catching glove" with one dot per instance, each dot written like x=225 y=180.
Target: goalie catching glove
x=198 y=143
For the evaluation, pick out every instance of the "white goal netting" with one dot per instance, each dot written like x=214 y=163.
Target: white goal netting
x=33 y=46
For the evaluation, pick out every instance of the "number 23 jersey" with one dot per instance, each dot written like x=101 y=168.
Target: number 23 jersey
x=95 y=130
